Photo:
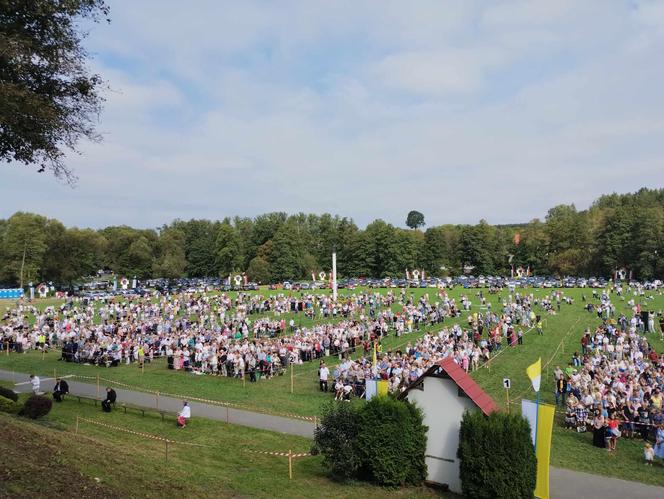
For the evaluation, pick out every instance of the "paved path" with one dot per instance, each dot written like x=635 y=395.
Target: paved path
x=574 y=484
x=147 y=400
x=565 y=483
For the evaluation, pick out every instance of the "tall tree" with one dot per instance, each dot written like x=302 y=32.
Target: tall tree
x=259 y=270
x=287 y=254
x=171 y=261
x=569 y=240
x=24 y=244
x=50 y=100
x=477 y=247
x=229 y=256
x=414 y=219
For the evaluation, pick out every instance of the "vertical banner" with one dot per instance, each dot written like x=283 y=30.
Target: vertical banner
x=382 y=387
x=371 y=389
x=543 y=439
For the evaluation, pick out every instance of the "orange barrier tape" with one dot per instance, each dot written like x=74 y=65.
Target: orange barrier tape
x=191 y=444
x=140 y=434
x=279 y=454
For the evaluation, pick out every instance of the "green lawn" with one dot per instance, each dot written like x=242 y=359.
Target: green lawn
x=561 y=338
x=47 y=459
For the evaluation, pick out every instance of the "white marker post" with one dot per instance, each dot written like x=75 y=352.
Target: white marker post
x=334 y=276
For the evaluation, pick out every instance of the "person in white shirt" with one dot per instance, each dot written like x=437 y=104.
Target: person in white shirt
x=323 y=374
x=184 y=415
x=34 y=381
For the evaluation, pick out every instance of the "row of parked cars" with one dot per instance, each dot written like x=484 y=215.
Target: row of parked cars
x=104 y=289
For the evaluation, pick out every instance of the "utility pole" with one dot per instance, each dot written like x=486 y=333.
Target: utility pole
x=25 y=247
x=334 y=275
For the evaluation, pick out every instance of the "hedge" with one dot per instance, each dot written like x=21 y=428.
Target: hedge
x=392 y=442
x=335 y=438
x=497 y=456
x=382 y=441
x=8 y=394
x=9 y=406
x=37 y=406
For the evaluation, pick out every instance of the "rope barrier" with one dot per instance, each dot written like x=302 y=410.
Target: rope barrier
x=202 y=400
x=290 y=455
x=518 y=398
x=279 y=454
x=138 y=433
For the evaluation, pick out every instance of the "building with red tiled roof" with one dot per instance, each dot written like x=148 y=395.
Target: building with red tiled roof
x=444 y=393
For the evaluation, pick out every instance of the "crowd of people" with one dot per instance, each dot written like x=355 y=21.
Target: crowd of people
x=251 y=335
x=487 y=332
x=217 y=334
x=614 y=385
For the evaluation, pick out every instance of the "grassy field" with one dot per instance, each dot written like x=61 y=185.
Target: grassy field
x=561 y=338
x=48 y=459
x=268 y=395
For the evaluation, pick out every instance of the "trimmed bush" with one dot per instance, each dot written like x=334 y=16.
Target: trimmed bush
x=9 y=406
x=382 y=441
x=37 y=406
x=497 y=456
x=392 y=442
x=8 y=394
x=336 y=439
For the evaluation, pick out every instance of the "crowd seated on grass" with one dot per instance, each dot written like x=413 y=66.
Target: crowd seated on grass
x=214 y=334
x=487 y=333
x=217 y=334
x=614 y=386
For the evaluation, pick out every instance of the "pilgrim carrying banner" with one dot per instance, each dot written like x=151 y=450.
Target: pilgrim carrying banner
x=543 y=425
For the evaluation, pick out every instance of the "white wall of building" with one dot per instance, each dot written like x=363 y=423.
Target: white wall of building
x=443 y=409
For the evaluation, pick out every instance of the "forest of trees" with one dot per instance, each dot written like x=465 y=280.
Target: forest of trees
x=617 y=231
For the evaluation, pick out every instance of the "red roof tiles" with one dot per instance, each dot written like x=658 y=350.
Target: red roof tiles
x=463 y=380
x=468 y=385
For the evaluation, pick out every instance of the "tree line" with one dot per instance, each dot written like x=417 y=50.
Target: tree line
x=617 y=231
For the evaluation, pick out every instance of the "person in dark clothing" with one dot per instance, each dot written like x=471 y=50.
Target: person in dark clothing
x=599 y=430
x=110 y=399
x=60 y=389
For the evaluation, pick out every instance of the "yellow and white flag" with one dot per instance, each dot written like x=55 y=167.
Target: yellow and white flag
x=534 y=372
x=540 y=417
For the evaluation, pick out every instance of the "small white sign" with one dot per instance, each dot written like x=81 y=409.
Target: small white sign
x=506 y=383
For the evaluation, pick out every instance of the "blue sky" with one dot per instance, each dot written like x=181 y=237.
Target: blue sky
x=368 y=109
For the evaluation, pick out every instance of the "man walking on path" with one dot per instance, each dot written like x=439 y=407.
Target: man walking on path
x=34 y=381
x=184 y=415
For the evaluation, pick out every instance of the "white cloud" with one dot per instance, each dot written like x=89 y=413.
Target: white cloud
x=366 y=109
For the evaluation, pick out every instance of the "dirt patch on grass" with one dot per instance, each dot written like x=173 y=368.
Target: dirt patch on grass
x=33 y=464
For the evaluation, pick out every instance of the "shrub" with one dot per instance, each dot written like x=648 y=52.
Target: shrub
x=497 y=456
x=9 y=406
x=383 y=441
x=335 y=438
x=392 y=442
x=37 y=406
x=8 y=394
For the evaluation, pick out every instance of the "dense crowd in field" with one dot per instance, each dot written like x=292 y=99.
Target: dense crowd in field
x=613 y=385
x=258 y=336
x=217 y=334
x=250 y=333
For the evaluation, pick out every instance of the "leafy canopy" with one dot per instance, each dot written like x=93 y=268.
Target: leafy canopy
x=49 y=99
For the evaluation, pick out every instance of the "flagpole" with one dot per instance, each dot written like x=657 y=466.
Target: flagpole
x=537 y=420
